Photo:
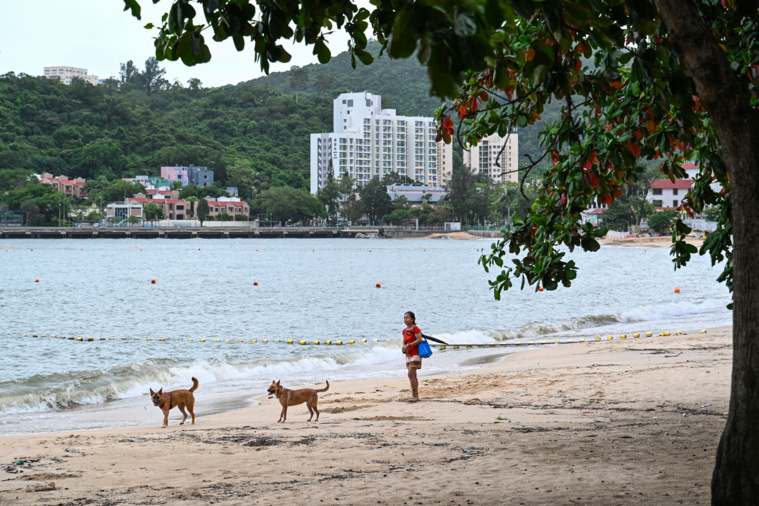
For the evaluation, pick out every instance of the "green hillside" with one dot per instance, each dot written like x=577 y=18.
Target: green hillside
x=254 y=135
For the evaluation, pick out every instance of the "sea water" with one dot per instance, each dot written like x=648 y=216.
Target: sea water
x=307 y=289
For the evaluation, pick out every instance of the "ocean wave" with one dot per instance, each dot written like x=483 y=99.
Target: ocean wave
x=76 y=388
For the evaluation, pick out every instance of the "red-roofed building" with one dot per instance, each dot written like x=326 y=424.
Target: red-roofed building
x=667 y=194
x=63 y=184
x=233 y=206
x=173 y=209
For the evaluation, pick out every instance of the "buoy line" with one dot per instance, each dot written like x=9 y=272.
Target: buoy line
x=303 y=342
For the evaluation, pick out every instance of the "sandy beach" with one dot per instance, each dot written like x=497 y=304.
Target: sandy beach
x=632 y=421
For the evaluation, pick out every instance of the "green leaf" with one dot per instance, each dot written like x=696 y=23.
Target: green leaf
x=322 y=52
x=365 y=57
x=239 y=42
x=402 y=42
x=134 y=6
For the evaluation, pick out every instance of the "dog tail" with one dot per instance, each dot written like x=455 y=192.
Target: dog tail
x=194 y=384
x=324 y=389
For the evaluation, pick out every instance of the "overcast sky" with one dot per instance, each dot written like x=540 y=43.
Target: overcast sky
x=98 y=35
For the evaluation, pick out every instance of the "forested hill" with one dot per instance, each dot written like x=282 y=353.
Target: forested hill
x=250 y=135
x=253 y=135
x=403 y=84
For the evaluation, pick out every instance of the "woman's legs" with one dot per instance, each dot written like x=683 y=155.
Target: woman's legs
x=414 y=383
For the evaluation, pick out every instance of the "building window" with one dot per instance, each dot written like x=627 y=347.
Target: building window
x=350 y=103
x=657 y=203
x=657 y=191
x=674 y=203
x=674 y=191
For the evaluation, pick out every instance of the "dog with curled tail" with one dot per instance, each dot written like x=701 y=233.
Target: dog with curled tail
x=175 y=399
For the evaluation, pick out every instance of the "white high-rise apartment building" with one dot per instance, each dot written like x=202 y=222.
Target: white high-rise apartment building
x=67 y=74
x=482 y=157
x=369 y=141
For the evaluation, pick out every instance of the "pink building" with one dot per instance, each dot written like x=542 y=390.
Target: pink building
x=175 y=174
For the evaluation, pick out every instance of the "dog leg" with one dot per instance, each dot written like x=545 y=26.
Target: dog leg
x=316 y=399
x=165 y=419
x=308 y=405
x=191 y=409
x=284 y=413
x=181 y=408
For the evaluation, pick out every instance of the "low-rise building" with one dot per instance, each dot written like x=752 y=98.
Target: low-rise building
x=416 y=194
x=72 y=187
x=173 y=209
x=233 y=206
x=123 y=210
x=68 y=74
x=200 y=176
x=666 y=194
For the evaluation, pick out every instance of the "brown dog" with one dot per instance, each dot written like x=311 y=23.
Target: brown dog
x=294 y=397
x=177 y=398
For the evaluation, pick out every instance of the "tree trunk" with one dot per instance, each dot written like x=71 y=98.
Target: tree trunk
x=736 y=473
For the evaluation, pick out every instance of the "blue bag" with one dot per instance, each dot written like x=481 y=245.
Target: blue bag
x=424 y=349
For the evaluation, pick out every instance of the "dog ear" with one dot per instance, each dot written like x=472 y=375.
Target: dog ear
x=151 y=391
x=160 y=392
x=277 y=382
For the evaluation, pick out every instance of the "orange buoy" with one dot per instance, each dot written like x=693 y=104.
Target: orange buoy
x=379 y=285
x=677 y=289
x=313 y=250
x=256 y=250
x=370 y=251
x=540 y=288
x=140 y=249
x=153 y=281
x=255 y=283
x=36 y=280
x=32 y=249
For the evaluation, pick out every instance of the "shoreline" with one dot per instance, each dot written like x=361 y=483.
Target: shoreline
x=562 y=424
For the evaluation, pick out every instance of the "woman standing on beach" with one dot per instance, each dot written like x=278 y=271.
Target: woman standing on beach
x=412 y=336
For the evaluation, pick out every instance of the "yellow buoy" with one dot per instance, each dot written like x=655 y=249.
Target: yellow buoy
x=596 y=338
x=78 y=338
x=190 y=339
x=217 y=340
x=351 y=342
x=338 y=342
x=303 y=342
x=455 y=347
x=517 y=342
x=162 y=339
x=327 y=342
x=570 y=340
x=610 y=337
x=202 y=340
x=648 y=334
x=442 y=347
x=582 y=340
x=677 y=332
x=148 y=339
x=666 y=333
x=623 y=336
x=363 y=340
x=636 y=335
x=703 y=331
x=317 y=342
x=264 y=340
x=253 y=341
